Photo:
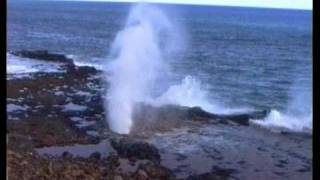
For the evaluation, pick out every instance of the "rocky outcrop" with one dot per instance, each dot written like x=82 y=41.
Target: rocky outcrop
x=153 y=171
x=132 y=149
x=217 y=173
x=150 y=118
x=27 y=164
x=239 y=118
x=43 y=55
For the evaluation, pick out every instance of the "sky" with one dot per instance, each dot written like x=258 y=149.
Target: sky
x=288 y=4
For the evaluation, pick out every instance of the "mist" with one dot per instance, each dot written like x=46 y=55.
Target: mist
x=137 y=62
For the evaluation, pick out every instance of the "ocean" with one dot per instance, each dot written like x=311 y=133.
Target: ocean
x=234 y=58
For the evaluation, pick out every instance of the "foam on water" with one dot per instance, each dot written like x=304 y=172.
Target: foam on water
x=18 y=66
x=14 y=108
x=73 y=107
x=92 y=62
x=279 y=120
x=298 y=114
x=191 y=92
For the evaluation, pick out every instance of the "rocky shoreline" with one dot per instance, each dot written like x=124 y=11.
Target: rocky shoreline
x=64 y=109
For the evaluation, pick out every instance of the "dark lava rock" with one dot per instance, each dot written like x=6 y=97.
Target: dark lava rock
x=155 y=171
x=42 y=55
x=47 y=132
x=66 y=154
x=95 y=155
x=241 y=119
x=217 y=173
x=24 y=166
x=132 y=149
x=196 y=112
x=140 y=175
x=83 y=71
x=148 y=117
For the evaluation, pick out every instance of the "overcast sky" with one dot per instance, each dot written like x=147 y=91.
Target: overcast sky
x=291 y=4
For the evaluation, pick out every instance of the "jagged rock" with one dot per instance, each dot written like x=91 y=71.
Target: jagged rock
x=140 y=175
x=217 y=173
x=196 y=113
x=128 y=148
x=95 y=155
x=83 y=71
x=147 y=115
x=69 y=65
x=155 y=171
x=43 y=55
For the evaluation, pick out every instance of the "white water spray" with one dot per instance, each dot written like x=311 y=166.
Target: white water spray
x=137 y=52
x=298 y=115
x=139 y=59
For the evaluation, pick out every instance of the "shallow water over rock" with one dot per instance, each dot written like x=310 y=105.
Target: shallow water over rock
x=81 y=150
x=251 y=153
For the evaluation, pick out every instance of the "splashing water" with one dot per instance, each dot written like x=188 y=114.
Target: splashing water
x=277 y=119
x=137 y=54
x=297 y=116
x=189 y=93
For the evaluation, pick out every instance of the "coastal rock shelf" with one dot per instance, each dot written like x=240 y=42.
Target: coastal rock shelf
x=57 y=129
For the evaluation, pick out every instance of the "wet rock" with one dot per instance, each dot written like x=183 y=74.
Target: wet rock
x=217 y=173
x=241 y=119
x=181 y=157
x=196 y=112
x=155 y=171
x=305 y=168
x=129 y=148
x=47 y=132
x=69 y=65
x=141 y=174
x=43 y=55
x=28 y=165
x=279 y=173
x=241 y=162
x=118 y=178
x=283 y=161
x=95 y=155
x=83 y=71
x=113 y=160
x=67 y=155
x=147 y=117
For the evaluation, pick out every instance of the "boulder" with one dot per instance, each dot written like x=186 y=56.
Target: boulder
x=131 y=149
x=44 y=55
x=155 y=171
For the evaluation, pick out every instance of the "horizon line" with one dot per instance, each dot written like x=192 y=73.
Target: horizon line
x=195 y=4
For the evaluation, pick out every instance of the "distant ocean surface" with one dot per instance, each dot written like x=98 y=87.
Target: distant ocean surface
x=244 y=58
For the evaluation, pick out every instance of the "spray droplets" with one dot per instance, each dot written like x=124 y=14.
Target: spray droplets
x=137 y=63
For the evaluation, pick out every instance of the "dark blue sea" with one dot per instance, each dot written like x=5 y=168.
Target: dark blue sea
x=242 y=57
